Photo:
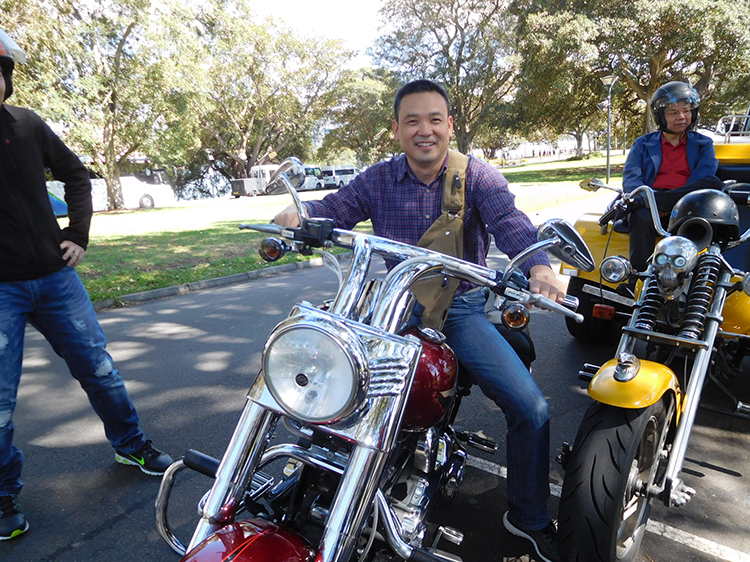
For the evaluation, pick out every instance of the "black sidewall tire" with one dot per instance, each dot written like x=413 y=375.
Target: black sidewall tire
x=596 y=478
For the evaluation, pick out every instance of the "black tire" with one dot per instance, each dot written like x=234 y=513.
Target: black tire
x=616 y=452
x=146 y=202
x=591 y=330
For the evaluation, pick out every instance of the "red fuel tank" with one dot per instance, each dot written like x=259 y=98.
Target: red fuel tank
x=434 y=382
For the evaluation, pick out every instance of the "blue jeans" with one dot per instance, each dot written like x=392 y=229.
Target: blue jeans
x=495 y=367
x=58 y=306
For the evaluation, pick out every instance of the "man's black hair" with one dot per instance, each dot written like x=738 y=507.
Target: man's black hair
x=419 y=87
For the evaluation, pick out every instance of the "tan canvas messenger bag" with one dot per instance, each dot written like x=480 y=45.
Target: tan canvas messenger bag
x=445 y=235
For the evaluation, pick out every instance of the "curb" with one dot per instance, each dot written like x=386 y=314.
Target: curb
x=146 y=296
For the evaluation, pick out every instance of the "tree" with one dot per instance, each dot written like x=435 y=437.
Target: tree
x=558 y=92
x=172 y=82
x=694 y=41
x=499 y=132
x=256 y=90
x=465 y=45
x=647 y=43
x=362 y=117
x=96 y=74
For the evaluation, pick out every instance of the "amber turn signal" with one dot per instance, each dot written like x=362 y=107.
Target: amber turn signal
x=604 y=312
x=515 y=317
x=272 y=249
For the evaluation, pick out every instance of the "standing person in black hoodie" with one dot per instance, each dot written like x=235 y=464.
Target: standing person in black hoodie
x=39 y=284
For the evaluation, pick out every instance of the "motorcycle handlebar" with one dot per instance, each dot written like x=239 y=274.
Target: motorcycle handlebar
x=554 y=306
x=646 y=194
x=457 y=268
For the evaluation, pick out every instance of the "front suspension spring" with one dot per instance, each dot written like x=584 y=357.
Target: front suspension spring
x=701 y=295
x=650 y=307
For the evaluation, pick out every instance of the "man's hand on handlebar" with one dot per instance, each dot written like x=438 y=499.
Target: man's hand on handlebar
x=543 y=281
x=287 y=218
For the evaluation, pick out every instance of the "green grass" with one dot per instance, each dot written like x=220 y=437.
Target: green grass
x=564 y=171
x=135 y=251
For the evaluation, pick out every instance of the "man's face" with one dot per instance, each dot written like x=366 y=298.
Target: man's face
x=424 y=128
x=679 y=116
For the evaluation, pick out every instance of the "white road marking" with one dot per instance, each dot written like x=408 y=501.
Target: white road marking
x=705 y=546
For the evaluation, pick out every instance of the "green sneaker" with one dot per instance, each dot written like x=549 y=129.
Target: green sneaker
x=12 y=520
x=150 y=460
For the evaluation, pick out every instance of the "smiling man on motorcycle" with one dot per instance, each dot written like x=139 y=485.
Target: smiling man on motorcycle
x=674 y=160
x=403 y=199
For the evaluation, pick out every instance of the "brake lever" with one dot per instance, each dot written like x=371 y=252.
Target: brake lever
x=548 y=304
x=545 y=303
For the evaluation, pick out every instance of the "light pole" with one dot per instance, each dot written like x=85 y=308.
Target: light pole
x=609 y=81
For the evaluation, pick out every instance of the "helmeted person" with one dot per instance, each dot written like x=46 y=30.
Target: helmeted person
x=39 y=285
x=674 y=160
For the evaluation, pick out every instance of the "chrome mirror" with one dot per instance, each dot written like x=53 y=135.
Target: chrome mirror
x=292 y=170
x=289 y=177
x=569 y=246
x=594 y=185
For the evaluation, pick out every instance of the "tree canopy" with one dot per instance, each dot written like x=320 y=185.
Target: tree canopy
x=209 y=86
x=465 y=45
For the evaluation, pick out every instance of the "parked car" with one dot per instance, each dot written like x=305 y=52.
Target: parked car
x=313 y=178
x=256 y=183
x=338 y=176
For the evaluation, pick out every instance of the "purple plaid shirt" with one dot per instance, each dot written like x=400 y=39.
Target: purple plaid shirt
x=402 y=208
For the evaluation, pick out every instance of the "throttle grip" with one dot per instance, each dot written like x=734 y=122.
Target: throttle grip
x=609 y=215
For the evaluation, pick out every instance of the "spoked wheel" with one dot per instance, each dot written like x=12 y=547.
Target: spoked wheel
x=616 y=457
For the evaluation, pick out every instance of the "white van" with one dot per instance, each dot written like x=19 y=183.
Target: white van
x=256 y=183
x=146 y=190
x=338 y=176
x=313 y=178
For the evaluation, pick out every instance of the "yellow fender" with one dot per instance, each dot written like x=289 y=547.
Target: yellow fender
x=647 y=387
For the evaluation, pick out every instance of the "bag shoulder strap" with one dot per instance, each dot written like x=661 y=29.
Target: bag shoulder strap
x=454 y=183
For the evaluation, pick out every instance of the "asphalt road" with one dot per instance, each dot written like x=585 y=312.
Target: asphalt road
x=188 y=361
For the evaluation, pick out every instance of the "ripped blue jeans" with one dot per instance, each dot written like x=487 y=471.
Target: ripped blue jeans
x=58 y=306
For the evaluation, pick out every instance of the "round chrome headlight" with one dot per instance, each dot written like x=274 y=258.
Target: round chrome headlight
x=316 y=373
x=615 y=269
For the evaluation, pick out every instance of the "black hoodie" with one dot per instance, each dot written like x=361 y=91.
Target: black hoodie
x=30 y=236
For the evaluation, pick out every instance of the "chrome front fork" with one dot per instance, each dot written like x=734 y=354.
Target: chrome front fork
x=355 y=495
x=240 y=460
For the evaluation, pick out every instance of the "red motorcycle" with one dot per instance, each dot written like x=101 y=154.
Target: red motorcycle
x=346 y=437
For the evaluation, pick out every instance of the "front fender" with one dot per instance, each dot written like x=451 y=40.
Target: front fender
x=647 y=387
x=253 y=540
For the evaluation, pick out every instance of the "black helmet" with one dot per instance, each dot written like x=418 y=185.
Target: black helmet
x=672 y=92
x=10 y=54
x=712 y=206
